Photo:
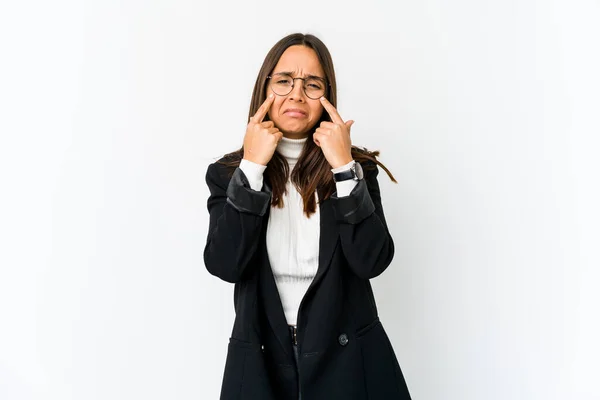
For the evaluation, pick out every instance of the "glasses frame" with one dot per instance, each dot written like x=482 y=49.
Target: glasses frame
x=327 y=85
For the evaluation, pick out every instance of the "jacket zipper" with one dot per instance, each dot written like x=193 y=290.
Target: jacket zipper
x=295 y=343
x=295 y=336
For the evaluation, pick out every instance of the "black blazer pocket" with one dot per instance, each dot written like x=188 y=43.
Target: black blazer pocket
x=382 y=374
x=246 y=376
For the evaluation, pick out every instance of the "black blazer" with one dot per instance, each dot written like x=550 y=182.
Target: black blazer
x=344 y=351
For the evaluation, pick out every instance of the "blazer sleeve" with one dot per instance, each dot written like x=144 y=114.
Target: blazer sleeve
x=365 y=238
x=236 y=216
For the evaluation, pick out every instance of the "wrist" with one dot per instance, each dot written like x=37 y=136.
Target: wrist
x=253 y=172
x=350 y=171
x=342 y=162
x=343 y=167
x=254 y=161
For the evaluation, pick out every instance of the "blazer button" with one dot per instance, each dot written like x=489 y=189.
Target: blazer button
x=343 y=339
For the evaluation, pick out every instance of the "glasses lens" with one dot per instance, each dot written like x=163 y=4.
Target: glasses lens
x=281 y=84
x=314 y=88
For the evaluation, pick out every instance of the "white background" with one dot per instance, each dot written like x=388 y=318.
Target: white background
x=486 y=111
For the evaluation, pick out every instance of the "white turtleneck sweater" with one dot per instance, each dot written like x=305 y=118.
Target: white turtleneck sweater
x=292 y=238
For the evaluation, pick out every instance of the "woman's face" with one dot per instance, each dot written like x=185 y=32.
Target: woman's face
x=295 y=114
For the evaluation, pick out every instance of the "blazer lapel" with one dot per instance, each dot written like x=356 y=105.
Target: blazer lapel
x=270 y=295
x=328 y=239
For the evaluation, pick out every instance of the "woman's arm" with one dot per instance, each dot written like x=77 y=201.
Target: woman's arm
x=366 y=241
x=236 y=217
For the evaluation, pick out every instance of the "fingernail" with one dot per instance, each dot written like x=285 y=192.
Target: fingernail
x=322 y=97
x=271 y=96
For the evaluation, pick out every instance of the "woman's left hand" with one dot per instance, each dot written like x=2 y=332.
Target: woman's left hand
x=334 y=137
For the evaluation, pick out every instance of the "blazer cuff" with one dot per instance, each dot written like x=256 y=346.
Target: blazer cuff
x=243 y=198
x=355 y=207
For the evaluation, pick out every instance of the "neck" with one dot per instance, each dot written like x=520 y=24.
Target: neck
x=291 y=149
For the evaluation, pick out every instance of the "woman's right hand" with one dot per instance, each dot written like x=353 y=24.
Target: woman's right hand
x=261 y=137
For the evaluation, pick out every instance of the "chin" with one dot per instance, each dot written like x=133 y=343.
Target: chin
x=294 y=134
x=293 y=130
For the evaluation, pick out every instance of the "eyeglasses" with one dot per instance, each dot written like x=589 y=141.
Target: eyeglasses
x=314 y=87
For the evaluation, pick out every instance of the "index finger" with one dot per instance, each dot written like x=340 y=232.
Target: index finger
x=335 y=117
x=262 y=110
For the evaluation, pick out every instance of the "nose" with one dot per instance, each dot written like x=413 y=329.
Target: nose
x=297 y=92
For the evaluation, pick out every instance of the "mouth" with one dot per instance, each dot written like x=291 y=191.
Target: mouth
x=295 y=113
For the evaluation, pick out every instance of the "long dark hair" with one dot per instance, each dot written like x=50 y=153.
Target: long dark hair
x=312 y=171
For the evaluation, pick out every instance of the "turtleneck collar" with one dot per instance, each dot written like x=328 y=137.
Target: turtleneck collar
x=291 y=149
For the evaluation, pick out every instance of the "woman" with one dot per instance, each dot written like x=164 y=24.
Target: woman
x=298 y=226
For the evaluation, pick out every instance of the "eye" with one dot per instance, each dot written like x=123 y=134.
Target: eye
x=314 y=84
x=282 y=80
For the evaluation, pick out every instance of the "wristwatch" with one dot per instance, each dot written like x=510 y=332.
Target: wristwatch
x=355 y=172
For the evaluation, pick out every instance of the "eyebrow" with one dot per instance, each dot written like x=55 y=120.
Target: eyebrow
x=290 y=73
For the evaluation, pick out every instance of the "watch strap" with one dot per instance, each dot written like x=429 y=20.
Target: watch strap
x=355 y=173
x=344 y=175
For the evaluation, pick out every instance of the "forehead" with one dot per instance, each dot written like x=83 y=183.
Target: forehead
x=301 y=60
